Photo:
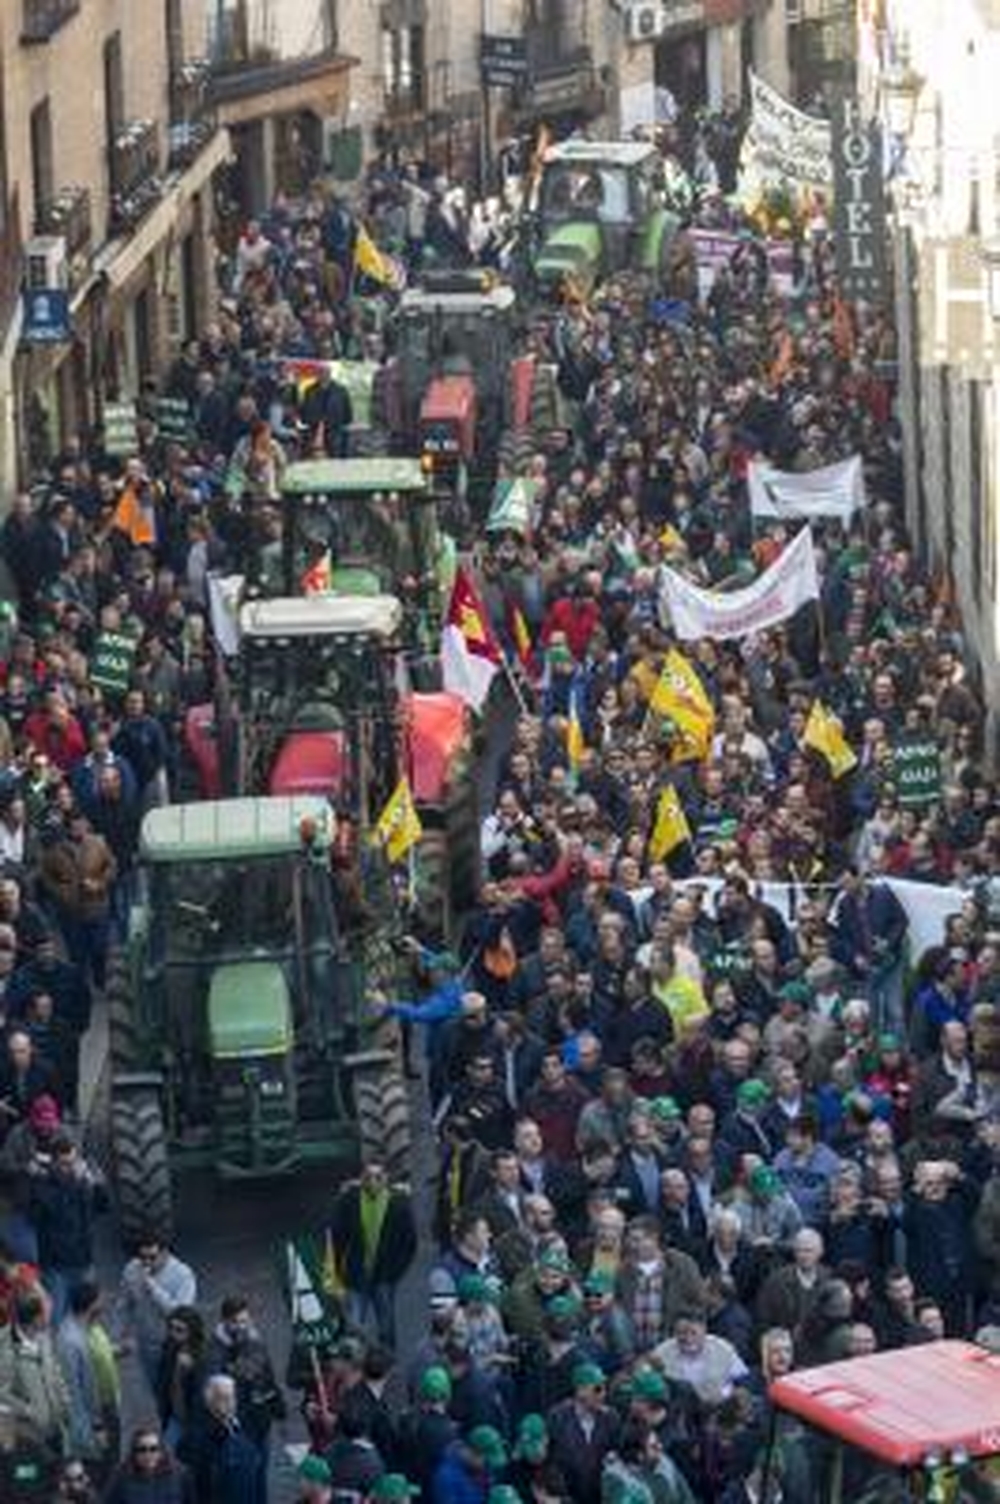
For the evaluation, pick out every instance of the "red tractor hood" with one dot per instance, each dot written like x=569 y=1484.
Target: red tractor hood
x=439 y=730
x=312 y=762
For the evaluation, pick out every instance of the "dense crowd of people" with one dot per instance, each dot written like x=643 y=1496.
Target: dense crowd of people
x=705 y=1114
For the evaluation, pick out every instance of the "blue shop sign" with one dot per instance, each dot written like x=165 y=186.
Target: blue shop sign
x=46 y=316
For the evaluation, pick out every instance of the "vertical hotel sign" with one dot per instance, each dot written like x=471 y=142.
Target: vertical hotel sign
x=859 y=203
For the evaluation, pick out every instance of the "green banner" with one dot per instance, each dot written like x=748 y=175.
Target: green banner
x=112 y=661
x=173 y=420
x=121 y=436
x=916 y=770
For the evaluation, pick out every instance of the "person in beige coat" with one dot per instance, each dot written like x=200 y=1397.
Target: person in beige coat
x=32 y=1387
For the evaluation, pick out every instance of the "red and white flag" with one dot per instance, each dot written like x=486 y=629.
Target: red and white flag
x=470 y=652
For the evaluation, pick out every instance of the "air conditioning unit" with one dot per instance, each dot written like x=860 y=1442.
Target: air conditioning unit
x=46 y=263
x=644 y=23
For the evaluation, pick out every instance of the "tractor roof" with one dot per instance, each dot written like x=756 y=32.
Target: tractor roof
x=602 y=153
x=353 y=477
x=946 y=1395
x=218 y=830
x=499 y=299
x=378 y=616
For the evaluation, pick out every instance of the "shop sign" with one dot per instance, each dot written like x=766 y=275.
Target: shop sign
x=503 y=60
x=46 y=316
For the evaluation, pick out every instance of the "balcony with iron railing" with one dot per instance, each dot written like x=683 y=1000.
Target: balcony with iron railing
x=136 y=184
x=41 y=19
x=67 y=214
x=192 y=116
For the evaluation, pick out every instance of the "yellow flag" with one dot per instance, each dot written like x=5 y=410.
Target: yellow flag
x=368 y=259
x=398 y=827
x=679 y=696
x=671 y=828
x=825 y=735
x=575 y=744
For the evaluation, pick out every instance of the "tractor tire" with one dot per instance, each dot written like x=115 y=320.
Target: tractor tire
x=516 y=449
x=123 y=1035
x=382 y=1104
x=141 y=1165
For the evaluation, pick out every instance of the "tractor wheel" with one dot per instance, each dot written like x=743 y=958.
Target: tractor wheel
x=123 y=1037
x=516 y=449
x=141 y=1165
x=382 y=1104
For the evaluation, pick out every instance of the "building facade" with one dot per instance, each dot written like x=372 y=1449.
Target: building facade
x=929 y=67
x=107 y=156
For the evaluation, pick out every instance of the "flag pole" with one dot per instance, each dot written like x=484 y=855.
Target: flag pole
x=518 y=692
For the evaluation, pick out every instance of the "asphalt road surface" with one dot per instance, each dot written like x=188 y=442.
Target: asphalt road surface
x=233 y=1235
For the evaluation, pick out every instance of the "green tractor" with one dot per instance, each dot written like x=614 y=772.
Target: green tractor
x=242 y=1032
x=601 y=210
x=364 y=527
x=317 y=703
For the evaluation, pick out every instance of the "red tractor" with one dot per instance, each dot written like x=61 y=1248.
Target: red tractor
x=466 y=398
x=315 y=707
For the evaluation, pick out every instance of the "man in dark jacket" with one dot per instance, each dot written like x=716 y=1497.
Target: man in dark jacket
x=227 y=1467
x=238 y=1349
x=582 y=1431
x=375 y=1241
x=65 y=1194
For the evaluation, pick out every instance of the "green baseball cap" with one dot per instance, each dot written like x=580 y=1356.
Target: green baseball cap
x=532 y=1441
x=665 y=1109
x=795 y=992
x=649 y=1386
x=764 y=1181
x=474 y=1287
x=563 y=1308
x=554 y=1258
x=586 y=1375
x=314 y=1470
x=753 y=1093
x=598 y=1282
x=488 y=1444
x=393 y=1486
x=435 y=1385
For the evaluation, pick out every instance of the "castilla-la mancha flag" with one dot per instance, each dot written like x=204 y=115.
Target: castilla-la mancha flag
x=470 y=653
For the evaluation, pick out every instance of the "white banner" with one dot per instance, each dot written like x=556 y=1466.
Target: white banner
x=783 y=146
x=225 y=593
x=772 y=598
x=714 y=249
x=928 y=906
x=831 y=491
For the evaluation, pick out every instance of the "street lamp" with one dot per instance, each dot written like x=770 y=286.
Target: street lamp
x=901 y=87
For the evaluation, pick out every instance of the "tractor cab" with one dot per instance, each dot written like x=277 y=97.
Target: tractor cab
x=240 y=1005
x=600 y=210
x=316 y=699
x=890 y=1428
x=455 y=343
x=367 y=527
